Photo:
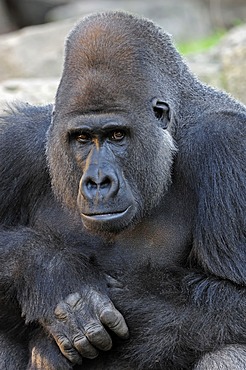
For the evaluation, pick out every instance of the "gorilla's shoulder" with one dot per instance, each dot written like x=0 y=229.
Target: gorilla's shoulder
x=22 y=154
x=214 y=137
x=23 y=130
x=224 y=121
x=24 y=117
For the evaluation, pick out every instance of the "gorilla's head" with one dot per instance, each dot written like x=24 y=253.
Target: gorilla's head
x=110 y=147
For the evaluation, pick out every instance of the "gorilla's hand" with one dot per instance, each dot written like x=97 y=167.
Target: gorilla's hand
x=79 y=325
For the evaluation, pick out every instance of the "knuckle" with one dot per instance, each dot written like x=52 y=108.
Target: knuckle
x=73 y=299
x=68 y=350
x=78 y=338
x=63 y=342
x=99 y=298
x=84 y=347
x=61 y=311
x=93 y=329
x=66 y=309
x=98 y=336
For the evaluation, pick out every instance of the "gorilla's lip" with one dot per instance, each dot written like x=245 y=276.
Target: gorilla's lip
x=108 y=216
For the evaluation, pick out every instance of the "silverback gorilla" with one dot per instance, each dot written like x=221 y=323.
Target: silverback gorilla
x=123 y=218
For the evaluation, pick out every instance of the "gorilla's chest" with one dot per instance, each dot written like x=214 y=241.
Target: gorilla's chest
x=165 y=243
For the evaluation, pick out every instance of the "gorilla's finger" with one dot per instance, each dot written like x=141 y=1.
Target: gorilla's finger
x=113 y=319
x=67 y=349
x=98 y=336
x=84 y=347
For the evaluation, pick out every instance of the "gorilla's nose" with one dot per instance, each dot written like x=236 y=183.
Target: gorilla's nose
x=99 y=184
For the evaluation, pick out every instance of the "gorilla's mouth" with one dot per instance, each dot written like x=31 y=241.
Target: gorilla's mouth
x=105 y=217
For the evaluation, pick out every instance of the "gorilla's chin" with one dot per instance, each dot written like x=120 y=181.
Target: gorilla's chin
x=110 y=222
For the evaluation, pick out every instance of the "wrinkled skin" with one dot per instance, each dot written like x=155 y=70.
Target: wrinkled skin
x=122 y=242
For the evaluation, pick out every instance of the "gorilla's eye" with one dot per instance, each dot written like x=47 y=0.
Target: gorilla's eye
x=83 y=138
x=117 y=135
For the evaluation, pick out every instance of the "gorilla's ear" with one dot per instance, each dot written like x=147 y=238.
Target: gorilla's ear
x=161 y=111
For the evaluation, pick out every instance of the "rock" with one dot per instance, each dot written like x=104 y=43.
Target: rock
x=226 y=13
x=34 y=91
x=224 y=66
x=33 y=51
x=233 y=63
x=5 y=23
x=29 y=12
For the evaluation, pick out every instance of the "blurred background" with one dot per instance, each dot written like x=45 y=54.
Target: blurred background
x=211 y=34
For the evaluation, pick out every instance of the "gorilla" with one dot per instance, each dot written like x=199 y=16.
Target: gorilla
x=123 y=222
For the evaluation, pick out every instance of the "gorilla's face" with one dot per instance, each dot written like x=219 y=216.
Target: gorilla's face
x=122 y=162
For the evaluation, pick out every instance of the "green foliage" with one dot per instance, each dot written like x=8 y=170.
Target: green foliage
x=200 y=45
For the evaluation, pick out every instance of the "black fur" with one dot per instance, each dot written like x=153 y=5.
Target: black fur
x=174 y=267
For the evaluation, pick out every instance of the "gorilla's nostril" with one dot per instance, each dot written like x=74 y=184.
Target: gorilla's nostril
x=105 y=183
x=91 y=185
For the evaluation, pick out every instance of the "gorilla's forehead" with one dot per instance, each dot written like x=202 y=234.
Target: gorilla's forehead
x=112 y=41
x=105 y=71
x=106 y=53
x=98 y=89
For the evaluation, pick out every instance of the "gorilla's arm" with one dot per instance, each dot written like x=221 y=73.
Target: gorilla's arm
x=175 y=317
x=213 y=162
x=38 y=267
x=37 y=273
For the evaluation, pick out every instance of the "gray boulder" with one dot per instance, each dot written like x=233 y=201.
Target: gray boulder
x=224 y=66
x=31 y=90
x=33 y=51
